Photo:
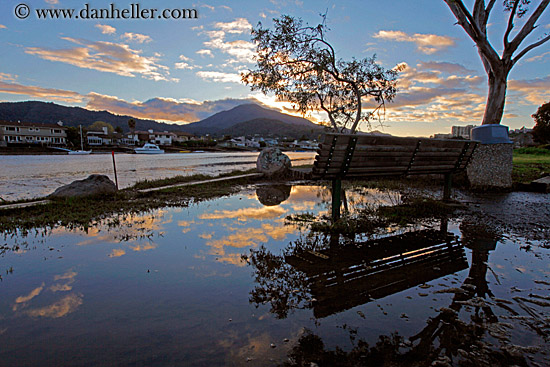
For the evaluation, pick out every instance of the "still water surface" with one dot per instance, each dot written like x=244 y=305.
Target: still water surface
x=171 y=288
x=30 y=176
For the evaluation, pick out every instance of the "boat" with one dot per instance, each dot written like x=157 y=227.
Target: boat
x=81 y=151
x=149 y=148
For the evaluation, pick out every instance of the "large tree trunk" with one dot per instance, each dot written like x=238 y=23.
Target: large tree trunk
x=494 y=109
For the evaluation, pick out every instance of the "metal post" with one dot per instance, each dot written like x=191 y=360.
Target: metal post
x=114 y=166
x=447 y=187
x=336 y=199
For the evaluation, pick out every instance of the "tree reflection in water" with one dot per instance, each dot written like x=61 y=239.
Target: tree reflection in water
x=329 y=276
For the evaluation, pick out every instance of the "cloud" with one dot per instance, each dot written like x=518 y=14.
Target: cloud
x=117 y=252
x=58 y=309
x=538 y=57
x=35 y=292
x=184 y=66
x=219 y=77
x=437 y=91
x=266 y=212
x=445 y=67
x=250 y=237
x=39 y=92
x=213 y=8
x=241 y=50
x=106 y=57
x=425 y=43
x=164 y=109
x=3 y=26
x=205 y=53
x=53 y=2
x=106 y=29
x=144 y=247
x=239 y=25
x=136 y=37
x=8 y=77
x=534 y=91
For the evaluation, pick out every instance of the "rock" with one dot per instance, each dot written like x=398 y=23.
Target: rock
x=93 y=185
x=273 y=163
x=273 y=194
x=542 y=184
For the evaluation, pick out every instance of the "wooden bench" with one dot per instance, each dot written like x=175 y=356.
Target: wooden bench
x=352 y=156
x=343 y=277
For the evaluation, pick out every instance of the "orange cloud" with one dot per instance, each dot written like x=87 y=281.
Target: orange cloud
x=106 y=57
x=266 y=212
x=164 y=109
x=35 y=292
x=117 y=252
x=58 y=309
x=535 y=91
x=425 y=43
x=39 y=92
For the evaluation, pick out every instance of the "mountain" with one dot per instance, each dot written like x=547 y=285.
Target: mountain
x=220 y=122
x=50 y=113
x=246 y=119
x=268 y=128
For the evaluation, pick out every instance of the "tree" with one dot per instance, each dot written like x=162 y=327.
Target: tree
x=541 y=131
x=497 y=66
x=132 y=125
x=119 y=130
x=298 y=64
x=99 y=125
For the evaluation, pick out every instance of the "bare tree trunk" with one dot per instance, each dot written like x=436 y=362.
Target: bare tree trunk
x=494 y=109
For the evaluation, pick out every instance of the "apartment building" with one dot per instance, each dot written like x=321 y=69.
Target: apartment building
x=32 y=133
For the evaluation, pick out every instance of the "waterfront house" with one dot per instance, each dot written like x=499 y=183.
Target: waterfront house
x=181 y=137
x=33 y=133
x=150 y=136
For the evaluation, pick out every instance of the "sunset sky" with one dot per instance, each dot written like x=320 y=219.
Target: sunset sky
x=183 y=70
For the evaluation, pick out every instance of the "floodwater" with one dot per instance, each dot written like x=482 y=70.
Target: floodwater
x=230 y=282
x=30 y=176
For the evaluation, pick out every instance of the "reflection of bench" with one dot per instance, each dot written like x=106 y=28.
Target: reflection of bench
x=344 y=277
x=346 y=156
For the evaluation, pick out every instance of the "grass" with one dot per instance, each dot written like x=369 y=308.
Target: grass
x=530 y=164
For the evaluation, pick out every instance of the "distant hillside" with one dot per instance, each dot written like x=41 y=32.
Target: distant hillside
x=235 y=122
x=50 y=113
x=222 y=121
x=272 y=128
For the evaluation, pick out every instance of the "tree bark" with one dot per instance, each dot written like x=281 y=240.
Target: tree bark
x=494 y=109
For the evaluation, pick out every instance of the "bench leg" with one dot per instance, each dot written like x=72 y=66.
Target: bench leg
x=336 y=199
x=447 y=188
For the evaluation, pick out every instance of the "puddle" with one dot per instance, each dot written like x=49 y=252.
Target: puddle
x=232 y=282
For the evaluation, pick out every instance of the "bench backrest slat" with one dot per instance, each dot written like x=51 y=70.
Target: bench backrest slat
x=349 y=156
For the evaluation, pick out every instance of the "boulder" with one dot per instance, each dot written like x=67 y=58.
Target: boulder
x=93 y=185
x=273 y=163
x=542 y=184
x=273 y=194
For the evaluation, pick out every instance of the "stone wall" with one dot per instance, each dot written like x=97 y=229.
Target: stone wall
x=491 y=167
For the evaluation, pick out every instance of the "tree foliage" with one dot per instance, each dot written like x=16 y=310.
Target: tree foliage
x=297 y=63
x=99 y=125
x=541 y=131
x=498 y=66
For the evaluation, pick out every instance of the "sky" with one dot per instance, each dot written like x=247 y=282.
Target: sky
x=184 y=69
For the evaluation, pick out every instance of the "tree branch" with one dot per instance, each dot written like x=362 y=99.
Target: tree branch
x=510 y=23
x=526 y=29
x=529 y=48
